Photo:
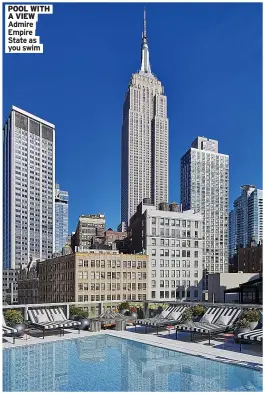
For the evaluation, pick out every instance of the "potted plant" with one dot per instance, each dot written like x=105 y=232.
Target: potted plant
x=197 y=312
x=133 y=311
x=186 y=317
x=77 y=313
x=242 y=325
x=252 y=316
x=15 y=320
x=124 y=307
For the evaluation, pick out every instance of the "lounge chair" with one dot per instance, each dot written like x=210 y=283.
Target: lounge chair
x=8 y=330
x=161 y=315
x=253 y=336
x=171 y=318
x=214 y=321
x=57 y=315
x=45 y=320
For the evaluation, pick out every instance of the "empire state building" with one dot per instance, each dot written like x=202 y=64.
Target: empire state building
x=144 y=167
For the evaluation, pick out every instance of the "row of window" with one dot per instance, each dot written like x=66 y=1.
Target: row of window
x=113 y=297
x=174 y=274
x=174 y=294
x=174 y=222
x=175 y=253
x=111 y=264
x=102 y=275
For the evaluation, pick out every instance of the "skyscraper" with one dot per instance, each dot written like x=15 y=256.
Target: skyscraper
x=28 y=188
x=144 y=167
x=61 y=218
x=246 y=219
x=204 y=188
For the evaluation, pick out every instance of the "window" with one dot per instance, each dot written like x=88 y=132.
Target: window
x=153 y=294
x=153 y=263
x=153 y=252
x=153 y=241
x=161 y=252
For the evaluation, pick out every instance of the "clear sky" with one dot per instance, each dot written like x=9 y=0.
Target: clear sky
x=208 y=57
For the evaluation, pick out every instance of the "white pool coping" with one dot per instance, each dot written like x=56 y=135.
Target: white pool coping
x=191 y=348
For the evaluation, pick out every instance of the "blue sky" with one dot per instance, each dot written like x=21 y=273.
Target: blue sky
x=208 y=57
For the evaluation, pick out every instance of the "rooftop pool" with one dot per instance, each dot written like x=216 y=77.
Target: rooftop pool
x=107 y=363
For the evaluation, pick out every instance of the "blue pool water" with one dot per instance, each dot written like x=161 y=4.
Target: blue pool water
x=106 y=363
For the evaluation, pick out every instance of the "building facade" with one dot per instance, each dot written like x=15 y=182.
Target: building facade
x=28 y=189
x=204 y=188
x=61 y=218
x=144 y=166
x=93 y=276
x=247 y=260
x=88 y=227
x=9 y=289
x=173 y=241
x=246 y=219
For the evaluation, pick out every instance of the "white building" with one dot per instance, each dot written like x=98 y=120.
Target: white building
x=28 y=191
x=246 y=219
x=173 y=241
x=204 y=188
x=144 y=139
x=61 y=218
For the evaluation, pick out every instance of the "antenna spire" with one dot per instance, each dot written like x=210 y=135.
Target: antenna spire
x=145 y=63
x=144 y=32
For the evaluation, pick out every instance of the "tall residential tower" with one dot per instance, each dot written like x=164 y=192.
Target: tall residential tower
x=204 y=188
x=144 y=172
x=28 y=189
x=246 y=219
x=61 y=216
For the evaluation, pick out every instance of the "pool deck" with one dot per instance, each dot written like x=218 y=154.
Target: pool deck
x=249 y=357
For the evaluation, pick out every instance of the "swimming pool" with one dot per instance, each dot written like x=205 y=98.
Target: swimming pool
x=106 y=363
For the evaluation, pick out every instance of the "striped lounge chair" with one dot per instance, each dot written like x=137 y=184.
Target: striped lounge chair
x=172 y=318
x=8 y=330
x=45 y=320
x=214 y=321
x=253 y=336
x=161 y=315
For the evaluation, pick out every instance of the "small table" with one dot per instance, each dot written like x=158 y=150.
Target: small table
x=228 y=336
x=170 y=328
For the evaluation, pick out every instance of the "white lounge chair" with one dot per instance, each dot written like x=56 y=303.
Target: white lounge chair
x=215 y=320
x=44 y=319
x=161 y=315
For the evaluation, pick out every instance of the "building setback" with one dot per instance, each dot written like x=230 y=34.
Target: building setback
x=204 y=188
x=144 y=166
x=61 y=218
x=93 y=276
x=173 y=241
x=246 y=219
x=28 y=189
